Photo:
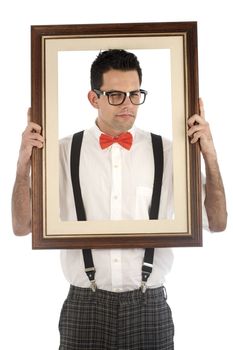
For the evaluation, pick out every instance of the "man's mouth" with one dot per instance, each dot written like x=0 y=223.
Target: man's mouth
x=125 y=115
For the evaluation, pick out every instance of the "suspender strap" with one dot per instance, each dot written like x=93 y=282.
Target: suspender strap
x=157 y=146
x=80 y=211
x=74 y=168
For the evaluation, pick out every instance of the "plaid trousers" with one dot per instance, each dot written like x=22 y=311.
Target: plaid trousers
x=105 y=320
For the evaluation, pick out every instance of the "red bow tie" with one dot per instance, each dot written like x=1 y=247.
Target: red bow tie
x=125 y=140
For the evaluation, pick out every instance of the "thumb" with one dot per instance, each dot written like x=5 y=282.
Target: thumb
x=29 y=114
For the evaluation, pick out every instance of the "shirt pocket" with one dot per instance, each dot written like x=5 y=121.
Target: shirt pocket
x=143 y=202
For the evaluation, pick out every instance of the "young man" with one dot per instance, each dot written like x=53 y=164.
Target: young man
x=116 y=174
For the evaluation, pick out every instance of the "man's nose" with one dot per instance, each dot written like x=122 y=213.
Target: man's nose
x=127 y=101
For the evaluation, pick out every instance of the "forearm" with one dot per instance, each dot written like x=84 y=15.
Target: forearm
x=21 y=196
x=215 y=200
x=21 y=202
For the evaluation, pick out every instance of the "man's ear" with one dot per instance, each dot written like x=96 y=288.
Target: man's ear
x=93 y=99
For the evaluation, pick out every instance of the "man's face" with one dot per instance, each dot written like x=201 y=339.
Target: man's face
x=114 y=120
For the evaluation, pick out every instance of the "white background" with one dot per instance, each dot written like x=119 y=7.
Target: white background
x=32 y=285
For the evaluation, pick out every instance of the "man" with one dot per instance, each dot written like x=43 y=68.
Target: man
x=118 y=314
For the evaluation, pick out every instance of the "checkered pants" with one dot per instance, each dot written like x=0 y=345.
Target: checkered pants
x=104 y=320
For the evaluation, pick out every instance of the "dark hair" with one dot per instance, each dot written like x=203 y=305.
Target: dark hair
x=113 y=59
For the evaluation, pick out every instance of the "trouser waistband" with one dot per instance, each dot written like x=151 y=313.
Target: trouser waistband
x=107 y=296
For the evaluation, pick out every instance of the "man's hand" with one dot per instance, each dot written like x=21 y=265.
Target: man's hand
x=31 y=137
x=199 y=130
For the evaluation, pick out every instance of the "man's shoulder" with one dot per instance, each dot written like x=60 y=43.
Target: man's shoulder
x=65 y=145
x=68 y=139
x=65 y=140
x=147 y=135
x=141 y=134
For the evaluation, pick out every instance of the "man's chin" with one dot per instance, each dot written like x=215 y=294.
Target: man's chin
x=125 y=122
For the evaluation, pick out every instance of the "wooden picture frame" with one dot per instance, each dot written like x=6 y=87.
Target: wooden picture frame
x=180 y=41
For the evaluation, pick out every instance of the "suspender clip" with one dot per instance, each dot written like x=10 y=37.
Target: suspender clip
x=143 y=287
x=93 y=286
x=90 y=271
x=145 y=276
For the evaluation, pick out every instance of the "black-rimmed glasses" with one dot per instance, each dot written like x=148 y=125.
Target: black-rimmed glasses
x=116 y=98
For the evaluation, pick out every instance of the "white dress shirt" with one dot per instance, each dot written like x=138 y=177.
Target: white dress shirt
x=116 y=184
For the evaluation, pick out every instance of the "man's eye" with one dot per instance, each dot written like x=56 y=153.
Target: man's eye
x=115 y=94
x=135 y=93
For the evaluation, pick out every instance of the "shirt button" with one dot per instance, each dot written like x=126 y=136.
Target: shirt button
x=115 y=197
x=115 y=260
x=116 y=166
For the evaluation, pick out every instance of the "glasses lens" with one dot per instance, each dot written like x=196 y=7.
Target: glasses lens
x=116 y=97
x=137 y=97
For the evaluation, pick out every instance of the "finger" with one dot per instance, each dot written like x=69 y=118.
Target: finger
x=32 y=143
x=33 y=127
x=29 y=115
x=195 y=137
x=35 y=136
x=201 y=108
x=195 y=128
x=195 y=119
x=28 y=136
x=36 y=143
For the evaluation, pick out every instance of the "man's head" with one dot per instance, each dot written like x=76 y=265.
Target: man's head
x=113 y=59
x=115 y=81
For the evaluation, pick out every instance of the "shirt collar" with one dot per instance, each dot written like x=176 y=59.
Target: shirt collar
x=97 y=132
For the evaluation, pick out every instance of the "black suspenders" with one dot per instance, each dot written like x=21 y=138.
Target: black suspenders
x=74 y=168
x=80 y=210
x=157 y=146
